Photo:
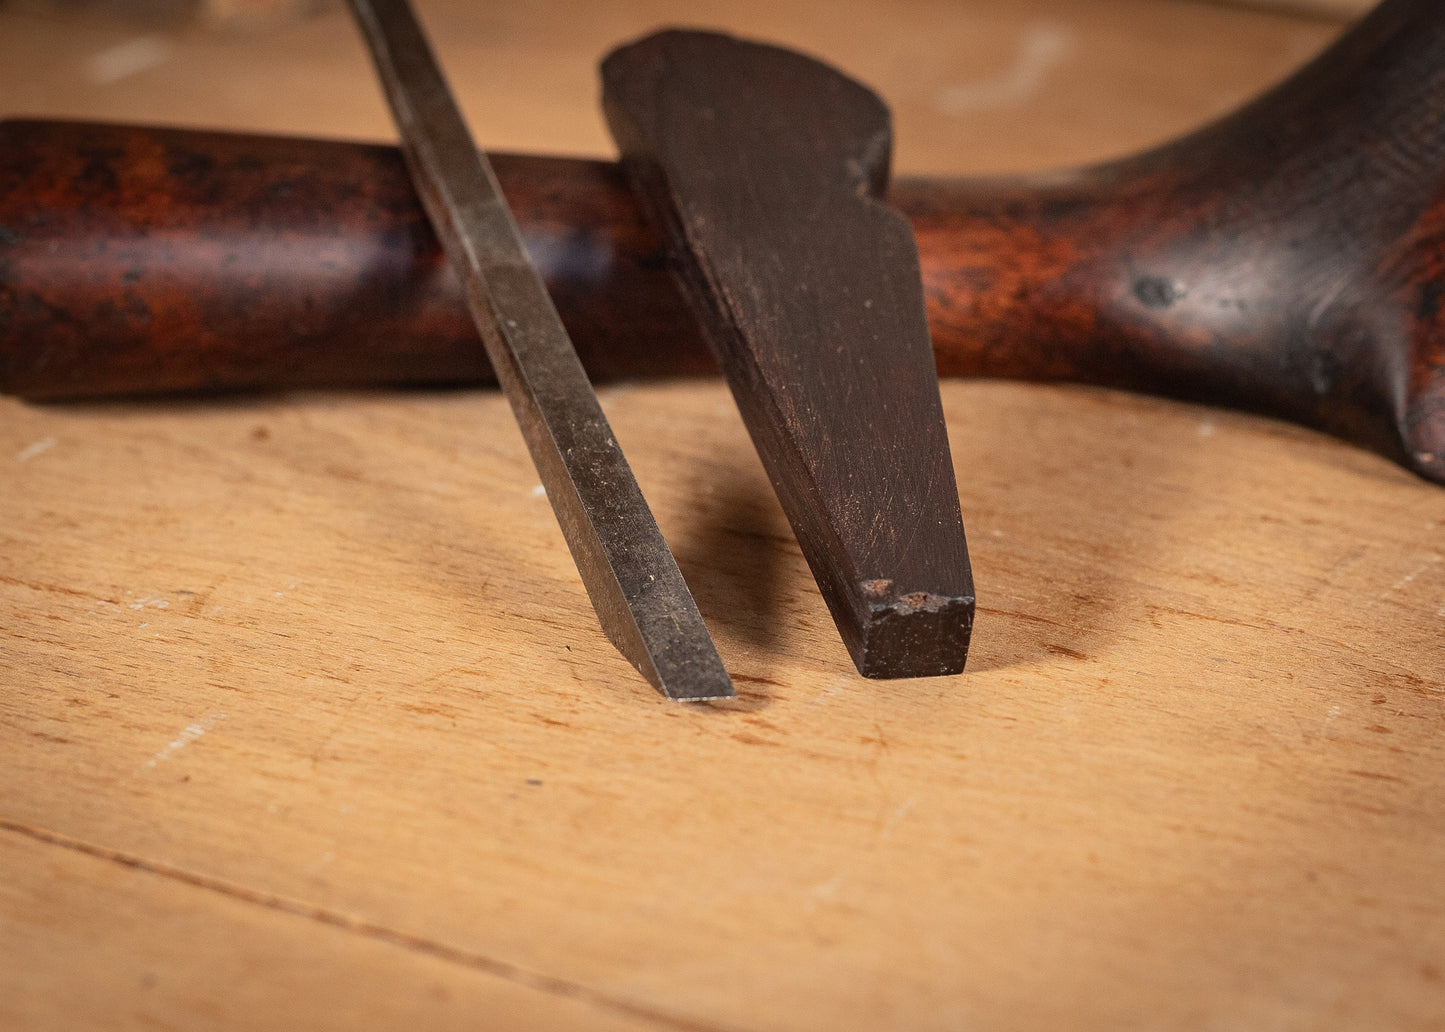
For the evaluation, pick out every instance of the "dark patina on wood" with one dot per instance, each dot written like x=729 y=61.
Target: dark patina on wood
x=1288 y=260
x=763 y=170
x=140 y=260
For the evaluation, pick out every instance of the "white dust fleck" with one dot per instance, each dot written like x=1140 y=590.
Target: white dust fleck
x=1043 y=46
x=1410 y=577
x=40 y=447
x=188 y=735
x=824 y=892
x=1332 y=295
x=899 y=812
x=141 y=54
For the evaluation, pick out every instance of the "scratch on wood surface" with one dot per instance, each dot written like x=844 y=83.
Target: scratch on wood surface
x=841 y=683
x=188 y=735
x=55 y=589
x=360 y=926
x=1043 y=46
x=40 y=447
x=196 y=601
x=828 y=890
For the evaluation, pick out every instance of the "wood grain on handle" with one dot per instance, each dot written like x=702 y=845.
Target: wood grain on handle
x=1288 y=260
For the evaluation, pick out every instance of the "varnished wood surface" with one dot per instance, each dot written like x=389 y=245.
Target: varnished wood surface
x=306 y=721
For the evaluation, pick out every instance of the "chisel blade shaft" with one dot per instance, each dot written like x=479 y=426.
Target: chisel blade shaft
x=636 y=588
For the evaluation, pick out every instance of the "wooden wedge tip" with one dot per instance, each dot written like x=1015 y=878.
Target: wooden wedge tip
x=912 y=633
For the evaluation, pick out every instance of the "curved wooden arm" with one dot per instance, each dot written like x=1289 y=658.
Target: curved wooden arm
x=1288 y=260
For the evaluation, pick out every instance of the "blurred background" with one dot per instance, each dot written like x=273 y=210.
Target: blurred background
x=975 y=85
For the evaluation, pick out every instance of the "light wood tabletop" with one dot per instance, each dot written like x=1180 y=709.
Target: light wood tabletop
x=306 y=721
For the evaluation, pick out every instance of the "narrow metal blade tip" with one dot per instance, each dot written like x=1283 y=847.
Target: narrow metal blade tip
x=697 y=693
x=696 y=677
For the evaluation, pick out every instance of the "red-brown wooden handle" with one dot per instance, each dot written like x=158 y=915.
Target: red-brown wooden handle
x=1288 y=260
x=138 y=260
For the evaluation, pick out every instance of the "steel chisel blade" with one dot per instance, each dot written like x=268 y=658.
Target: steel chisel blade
x=643 y=604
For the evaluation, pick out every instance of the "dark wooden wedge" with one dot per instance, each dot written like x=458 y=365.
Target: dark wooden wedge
x=763 y=171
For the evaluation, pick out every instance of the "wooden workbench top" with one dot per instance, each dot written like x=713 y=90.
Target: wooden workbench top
x=305 y=720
